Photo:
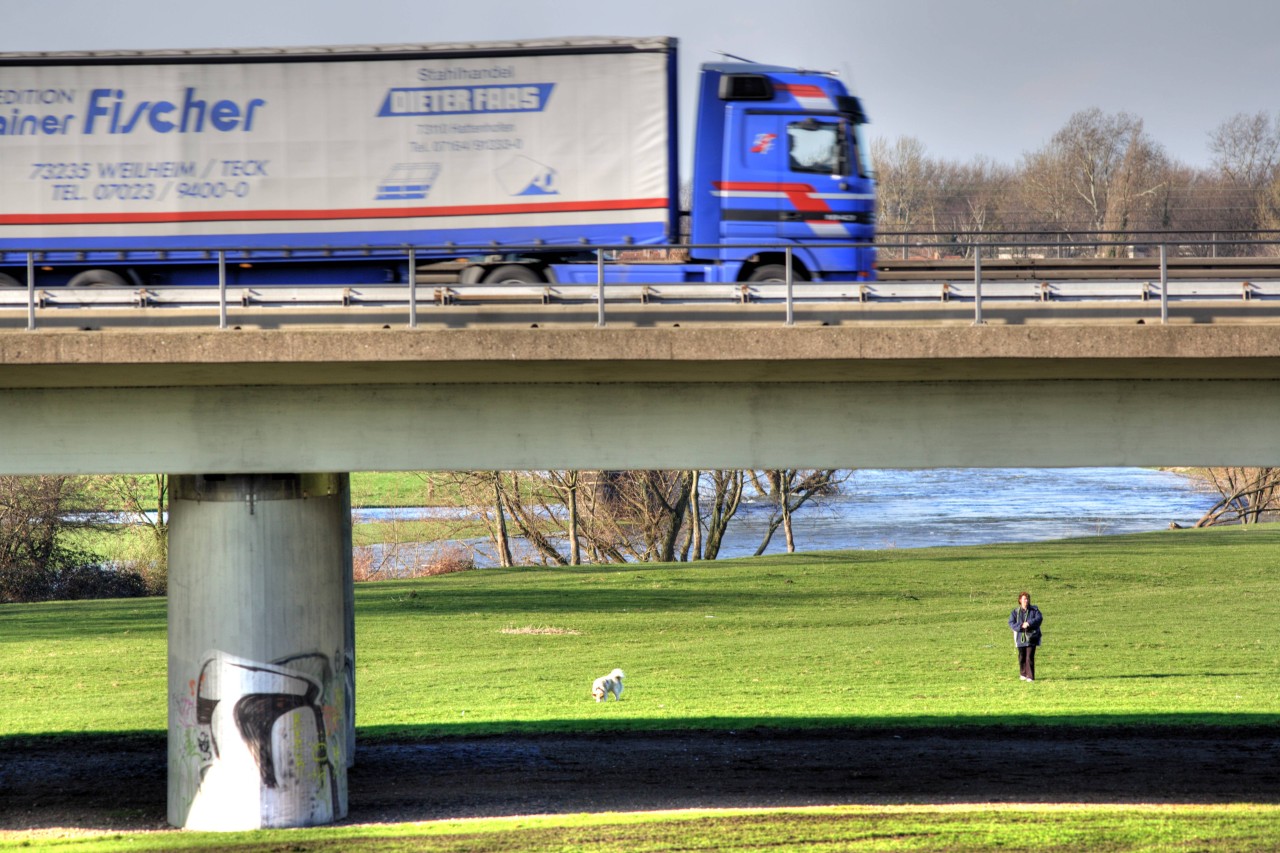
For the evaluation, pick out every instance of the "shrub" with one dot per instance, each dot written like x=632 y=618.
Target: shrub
x=96 y=581
x=447 y=560
x=396 y=562
x=38 y=516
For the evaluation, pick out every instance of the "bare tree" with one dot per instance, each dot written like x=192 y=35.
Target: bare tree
x=1138 y=183
x=644 y=510
x=906 y=178
x=485 y=493
x=971 y=199
x=693 y=541
x=567 y=484
x=788 y=490
x=1244 y=495
x=1246 y=154
x=530 y=508
x=1099 y=172
x=726 y=496
x=1269 y=211
x=1246 y=149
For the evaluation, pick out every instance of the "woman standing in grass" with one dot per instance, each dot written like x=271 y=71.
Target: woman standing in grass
x=1025 y=621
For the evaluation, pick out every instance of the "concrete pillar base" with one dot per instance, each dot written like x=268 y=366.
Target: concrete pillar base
x=261 y=677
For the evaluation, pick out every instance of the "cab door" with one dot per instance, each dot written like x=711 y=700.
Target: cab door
x=751 y=202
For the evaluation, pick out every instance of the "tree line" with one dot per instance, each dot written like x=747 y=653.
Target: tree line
x=61 y=537
x=563 y=517
x=47 y=545
x=572 y=517
x=1100 y=172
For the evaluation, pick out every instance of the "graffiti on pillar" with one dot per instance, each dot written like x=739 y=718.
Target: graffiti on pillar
x=261 y=742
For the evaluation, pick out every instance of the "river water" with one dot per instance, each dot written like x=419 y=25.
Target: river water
x=896 y=508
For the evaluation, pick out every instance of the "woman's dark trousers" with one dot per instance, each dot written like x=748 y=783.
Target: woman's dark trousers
x=1027 y=661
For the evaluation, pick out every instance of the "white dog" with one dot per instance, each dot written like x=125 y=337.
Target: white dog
x=606 y=684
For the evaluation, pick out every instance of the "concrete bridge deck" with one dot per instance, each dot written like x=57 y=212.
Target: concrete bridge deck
x=397 y=399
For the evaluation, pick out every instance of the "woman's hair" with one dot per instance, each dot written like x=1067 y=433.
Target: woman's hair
x=1027 y=594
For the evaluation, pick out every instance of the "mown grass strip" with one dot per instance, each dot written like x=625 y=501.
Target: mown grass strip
x=852 y=828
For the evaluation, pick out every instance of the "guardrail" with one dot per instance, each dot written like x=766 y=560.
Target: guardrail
x=1152 y=284
x=1083 y=242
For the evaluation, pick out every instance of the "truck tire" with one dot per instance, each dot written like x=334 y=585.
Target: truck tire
x=514 y=274
x=7 y=280
x=776 y=272
x=97 y=278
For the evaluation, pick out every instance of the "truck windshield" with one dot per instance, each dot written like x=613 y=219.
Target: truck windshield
x=824 y=147
x=859 y=141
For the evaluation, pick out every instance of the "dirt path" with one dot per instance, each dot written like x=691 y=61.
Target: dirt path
x=119 y=783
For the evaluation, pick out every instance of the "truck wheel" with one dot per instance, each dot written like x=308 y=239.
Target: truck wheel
x=7 y=280
x=97 y=278
x=776 y=272
x=514 y=274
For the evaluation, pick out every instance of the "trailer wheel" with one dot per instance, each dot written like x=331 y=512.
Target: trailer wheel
x=7 y=280
x=97 y=278
x=776 y=272
x=514 y=274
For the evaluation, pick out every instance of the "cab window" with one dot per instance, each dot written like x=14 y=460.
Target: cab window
x=825 y=148
x=815 y=146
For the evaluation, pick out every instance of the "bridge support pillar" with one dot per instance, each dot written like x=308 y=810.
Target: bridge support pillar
x=261 y=650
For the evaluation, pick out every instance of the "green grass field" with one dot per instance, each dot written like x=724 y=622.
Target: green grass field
x=368 y=489
x=402 y=488
x=1169 y=628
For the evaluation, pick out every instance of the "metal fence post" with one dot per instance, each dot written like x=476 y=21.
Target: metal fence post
x=222 y=288
x=791 y=310
x=1164 y=284
x=599 y=288
x=31 y=291
x=977 y=285
x=413 y=288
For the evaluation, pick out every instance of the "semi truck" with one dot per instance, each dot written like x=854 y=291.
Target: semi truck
x=495 y=162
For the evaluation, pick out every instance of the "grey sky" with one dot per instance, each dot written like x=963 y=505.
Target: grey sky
x=993 y=78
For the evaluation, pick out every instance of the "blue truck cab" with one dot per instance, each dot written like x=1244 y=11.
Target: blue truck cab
x=780 y=158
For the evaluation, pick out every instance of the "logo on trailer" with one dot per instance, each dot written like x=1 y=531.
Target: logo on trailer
x=464 y=100
x=524 y=176
x=764 y=143
x=408 y=181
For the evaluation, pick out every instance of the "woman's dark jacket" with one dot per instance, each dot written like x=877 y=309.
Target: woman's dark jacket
x=1030 y=636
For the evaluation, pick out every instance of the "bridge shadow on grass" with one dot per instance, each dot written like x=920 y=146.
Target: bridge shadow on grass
x=406 y=773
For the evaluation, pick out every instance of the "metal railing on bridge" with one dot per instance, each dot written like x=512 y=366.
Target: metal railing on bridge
x=986 y=276
x=1069 y=242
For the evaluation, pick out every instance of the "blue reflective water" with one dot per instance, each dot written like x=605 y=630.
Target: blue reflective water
x=974 y=506
x=895 y=508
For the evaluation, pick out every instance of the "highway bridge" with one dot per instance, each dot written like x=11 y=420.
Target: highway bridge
x=259 y=426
